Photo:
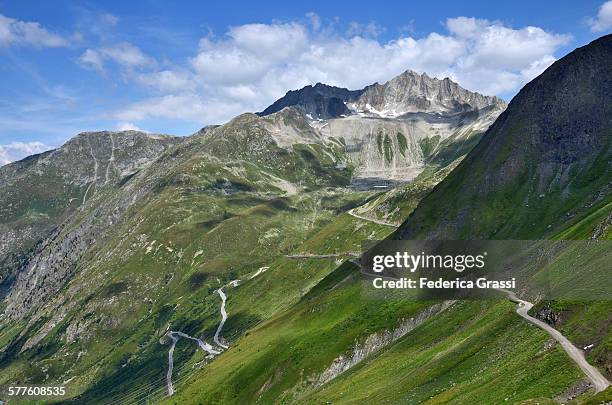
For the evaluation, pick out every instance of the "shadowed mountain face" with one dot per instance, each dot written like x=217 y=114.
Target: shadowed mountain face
x=319 y=101
x=544 y=162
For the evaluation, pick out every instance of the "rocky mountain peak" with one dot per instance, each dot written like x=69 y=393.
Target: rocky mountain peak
x=413 y=92
x=319 y=101
x=408 y=92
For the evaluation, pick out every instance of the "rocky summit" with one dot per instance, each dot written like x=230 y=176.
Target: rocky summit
x=391 y=131
x=411 y=92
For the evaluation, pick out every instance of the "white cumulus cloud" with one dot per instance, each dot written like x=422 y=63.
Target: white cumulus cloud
x=254 y=64
x=125 y=54
x=603 y=21
x=18 y=150
x=16 y=32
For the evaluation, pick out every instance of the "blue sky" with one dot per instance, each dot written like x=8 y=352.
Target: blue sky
x=173 y=67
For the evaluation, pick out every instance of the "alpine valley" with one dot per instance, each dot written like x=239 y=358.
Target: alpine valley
x=221 y=267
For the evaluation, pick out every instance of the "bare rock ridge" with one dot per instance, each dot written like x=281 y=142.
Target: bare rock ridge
x=409 y=92
x=318 y=101
x=389 y=131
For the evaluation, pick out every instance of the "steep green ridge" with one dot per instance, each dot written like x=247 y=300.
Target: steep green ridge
x=476 y=352
x=541 y=171
x=545 y=160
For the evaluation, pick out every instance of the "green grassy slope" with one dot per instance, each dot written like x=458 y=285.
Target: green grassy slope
x=197 y=222
x=476 y=352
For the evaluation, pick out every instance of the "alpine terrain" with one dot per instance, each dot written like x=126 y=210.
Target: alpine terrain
x=222 y=267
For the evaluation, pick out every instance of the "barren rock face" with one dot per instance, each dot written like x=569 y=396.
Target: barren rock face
x=411 y=92
x=388 y=131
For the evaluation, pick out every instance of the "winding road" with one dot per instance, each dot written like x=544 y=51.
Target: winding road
x=376 y=221
x=322 y=256
x=170 y=364
x=597 y=379
x=600 y=383
x=211 y=350
x=175 y=338
x=223 y=318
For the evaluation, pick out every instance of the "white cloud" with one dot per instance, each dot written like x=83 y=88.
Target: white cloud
x=128 y=126
x=15 y=32
x=254 y=64
x=603 y=21
x=125 y=54
x=315 y=20
x=166 y=80
x=18 y=150
x=92 y=59
x=249 y=52
x=371 y=30
x=496 y=46
x=109 y=19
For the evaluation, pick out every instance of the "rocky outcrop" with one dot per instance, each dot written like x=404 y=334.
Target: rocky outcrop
x=549 y=315
x=377 y=341
x=602 y=227
x=411 y=92
x=319 y=101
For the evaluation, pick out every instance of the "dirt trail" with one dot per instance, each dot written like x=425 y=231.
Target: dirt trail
x=322 y=256
x=597 y=379
x=376 y=221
